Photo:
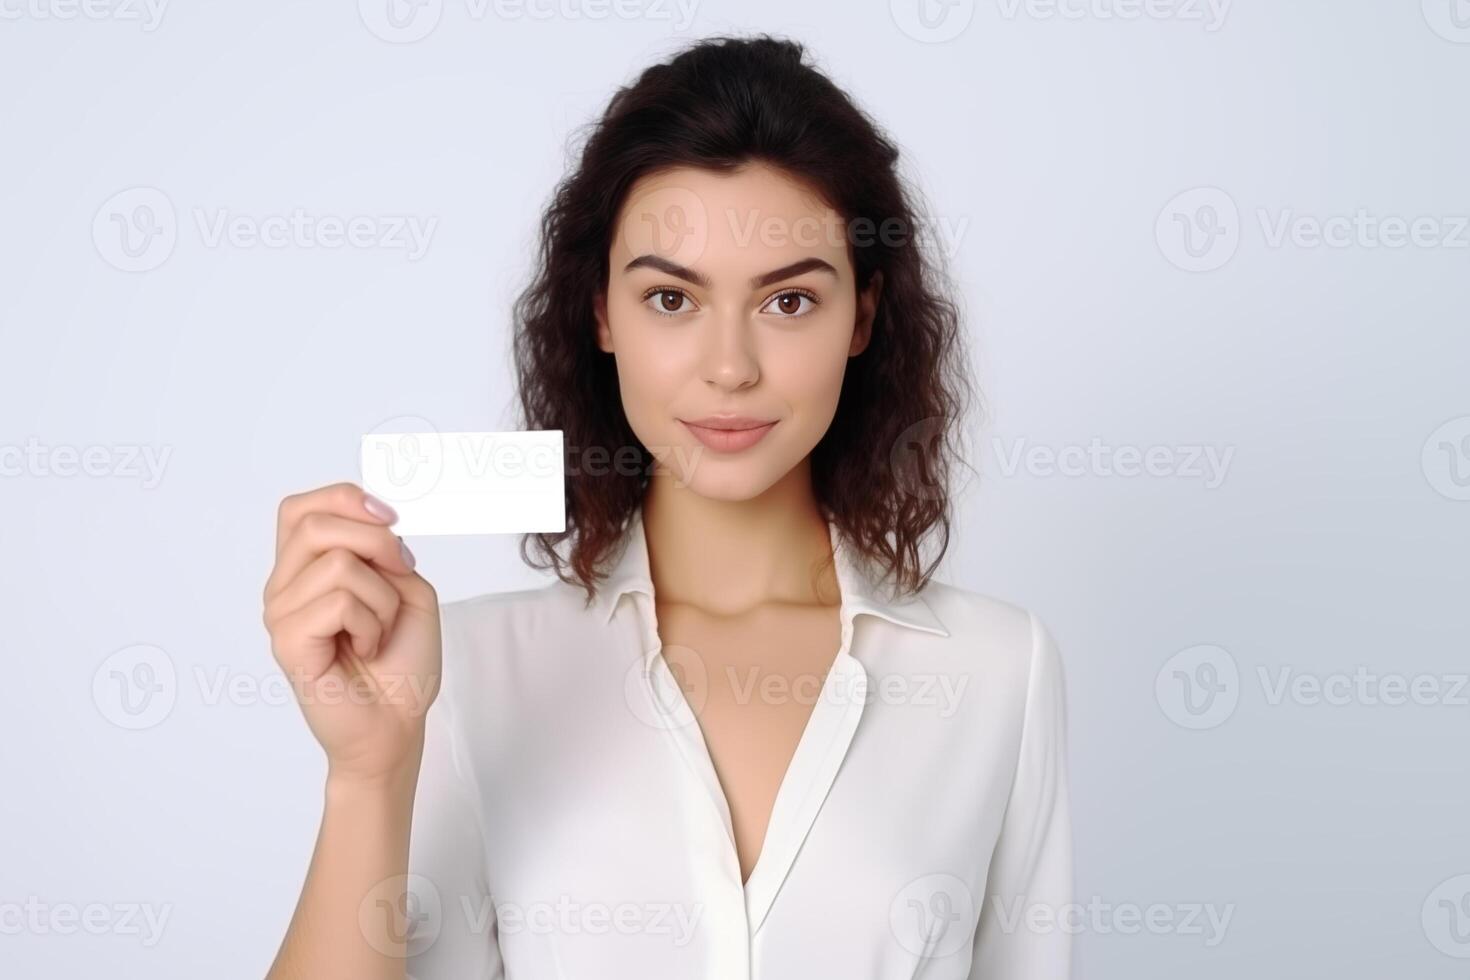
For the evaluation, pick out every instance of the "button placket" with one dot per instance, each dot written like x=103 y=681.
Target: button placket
x=809 y=778
x=718 y=877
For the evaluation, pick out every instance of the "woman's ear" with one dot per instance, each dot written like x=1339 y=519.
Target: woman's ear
x=604 y=334
x=867 y=311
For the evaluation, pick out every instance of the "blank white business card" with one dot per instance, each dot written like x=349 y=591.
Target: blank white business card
x=468 y=482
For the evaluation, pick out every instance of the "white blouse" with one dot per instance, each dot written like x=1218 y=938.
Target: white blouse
x=568 y=821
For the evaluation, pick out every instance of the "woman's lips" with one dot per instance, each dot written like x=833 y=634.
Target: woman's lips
x=729 y=440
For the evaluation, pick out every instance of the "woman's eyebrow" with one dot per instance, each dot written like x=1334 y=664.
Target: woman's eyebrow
x=699 y=279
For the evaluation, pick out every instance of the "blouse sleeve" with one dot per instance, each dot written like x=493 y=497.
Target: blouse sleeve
x=1025 y=931
x=453 y=933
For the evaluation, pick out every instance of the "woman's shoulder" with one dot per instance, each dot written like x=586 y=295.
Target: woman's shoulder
x=499 y=643
x=555 y=606
x=981 y=629
x=1006 y=646
x=990 y=627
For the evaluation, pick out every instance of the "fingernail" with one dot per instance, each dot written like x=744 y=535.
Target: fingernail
x=378 y=509
x=408 y=558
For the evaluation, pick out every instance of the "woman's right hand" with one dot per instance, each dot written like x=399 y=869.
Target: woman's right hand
x=355 y=629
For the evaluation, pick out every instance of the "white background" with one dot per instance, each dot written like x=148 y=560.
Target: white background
x=1053 y=145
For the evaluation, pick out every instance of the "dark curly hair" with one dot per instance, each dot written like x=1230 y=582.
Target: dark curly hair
x=883 y=467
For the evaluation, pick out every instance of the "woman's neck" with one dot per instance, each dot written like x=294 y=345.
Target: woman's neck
x=730 y=556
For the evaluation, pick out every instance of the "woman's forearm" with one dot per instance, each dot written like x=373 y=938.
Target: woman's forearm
x=351 y=922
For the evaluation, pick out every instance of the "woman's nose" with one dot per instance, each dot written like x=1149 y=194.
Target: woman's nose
x=728 y=356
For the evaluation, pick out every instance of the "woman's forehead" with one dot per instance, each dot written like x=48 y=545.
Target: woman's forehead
x=727 y=226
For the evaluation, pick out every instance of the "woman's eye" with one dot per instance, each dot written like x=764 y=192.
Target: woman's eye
x=789 y=304
x=665 y=301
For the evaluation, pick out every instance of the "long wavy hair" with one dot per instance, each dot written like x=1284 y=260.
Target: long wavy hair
x=882 y=471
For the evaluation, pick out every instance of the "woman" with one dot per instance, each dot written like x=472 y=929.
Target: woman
x=721 y=743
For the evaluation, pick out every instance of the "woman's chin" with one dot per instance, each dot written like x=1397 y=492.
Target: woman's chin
x=730 y=480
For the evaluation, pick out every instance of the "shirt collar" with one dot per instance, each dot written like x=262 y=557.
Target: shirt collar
x=861 y=591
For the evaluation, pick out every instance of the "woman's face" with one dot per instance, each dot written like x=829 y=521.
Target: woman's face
x=730 y=295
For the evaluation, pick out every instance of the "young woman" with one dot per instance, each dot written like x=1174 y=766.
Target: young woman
x=743 y=733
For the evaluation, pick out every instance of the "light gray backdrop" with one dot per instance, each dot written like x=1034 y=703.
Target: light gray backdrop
x=1214 y=265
